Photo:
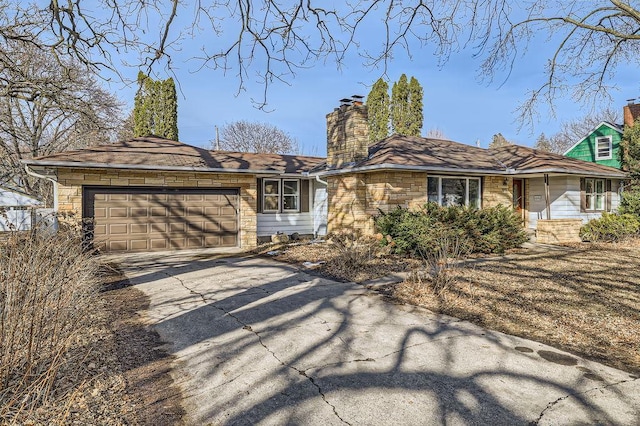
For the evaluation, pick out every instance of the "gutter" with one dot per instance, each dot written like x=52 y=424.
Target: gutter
x=413 y=168
x=50 y=179
x=507 y=172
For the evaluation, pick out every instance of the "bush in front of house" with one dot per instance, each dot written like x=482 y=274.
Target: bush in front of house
x=47 y=288
x=610 y=227
x=630 y=203
x=490 y=230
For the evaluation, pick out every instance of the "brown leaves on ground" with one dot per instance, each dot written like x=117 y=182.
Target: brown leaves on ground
x=125 y=378
x=584 y=298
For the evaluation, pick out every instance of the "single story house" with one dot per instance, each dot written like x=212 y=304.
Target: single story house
x=156 y=194
x=16 y=209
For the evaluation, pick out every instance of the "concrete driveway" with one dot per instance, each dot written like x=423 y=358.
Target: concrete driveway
x=260 y=342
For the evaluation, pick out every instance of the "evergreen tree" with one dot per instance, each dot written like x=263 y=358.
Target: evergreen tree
x=543 y=143
x=630 y=153
x=414 y=123
x=400 y=106
x=498 y=140
x=155 y=110
x=378 y=105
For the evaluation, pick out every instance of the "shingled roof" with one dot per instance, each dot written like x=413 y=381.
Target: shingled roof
x=394 y=152
x=524 y=160
x=154 y=153
x=443 y=156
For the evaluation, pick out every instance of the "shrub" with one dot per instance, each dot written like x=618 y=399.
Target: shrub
x=46 y=292
x=630 y=203
x=491 y=230
x=610 y=227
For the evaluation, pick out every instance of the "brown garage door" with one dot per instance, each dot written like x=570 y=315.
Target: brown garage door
x=144 y=219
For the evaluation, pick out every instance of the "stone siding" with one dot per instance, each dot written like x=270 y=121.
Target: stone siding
x=497 y=190
x=558 y=231
x=355 y=199
x=347 y=135
x=71 y=181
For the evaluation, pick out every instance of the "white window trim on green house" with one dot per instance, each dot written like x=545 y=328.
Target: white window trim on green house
x=285 y=192
x=604 y=145
x=445 y=197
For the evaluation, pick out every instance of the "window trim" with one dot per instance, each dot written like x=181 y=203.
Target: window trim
x=466 y=195
x=297 y=195
x=280 y=196
x=265 y=195
x=595 y=194
x=609 y=140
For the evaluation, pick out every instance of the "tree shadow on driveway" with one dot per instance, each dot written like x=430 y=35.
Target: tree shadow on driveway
x=262 y=342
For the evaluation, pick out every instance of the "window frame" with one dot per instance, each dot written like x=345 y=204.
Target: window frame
x=265 y=195
x=609 y=140
x=594 y=194
x=280 y=195
x=466 y=195
x=296 y=195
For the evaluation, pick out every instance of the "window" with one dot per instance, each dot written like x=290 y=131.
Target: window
x=280 y=195
x=595 y=193
x=603 y=148
x=271 y=195
x=454 y=191
x=291 y=195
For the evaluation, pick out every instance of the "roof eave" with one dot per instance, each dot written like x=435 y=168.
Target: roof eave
x=509 y=172
x=403 y=167
x=572 y=172
x=90 y=165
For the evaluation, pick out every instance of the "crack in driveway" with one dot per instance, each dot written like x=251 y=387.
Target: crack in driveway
x=562 y=398
x=248 y=328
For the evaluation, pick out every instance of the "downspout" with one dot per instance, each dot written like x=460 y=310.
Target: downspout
x=547 y=196
x=52 y=180
x=321 y=181
x=326 y=185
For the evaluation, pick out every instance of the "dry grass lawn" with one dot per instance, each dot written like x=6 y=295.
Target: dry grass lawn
x=584 y=299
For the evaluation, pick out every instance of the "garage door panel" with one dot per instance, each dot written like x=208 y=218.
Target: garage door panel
x=157 y=198
x=139 y=245
x=158 y=244
x=118 y=197
x=139 y=228
x=117 y=245
x=100 y=230
x=117 y=212
x=176 y=211
x=180 y=218
x=118 y=229
x=142 y=212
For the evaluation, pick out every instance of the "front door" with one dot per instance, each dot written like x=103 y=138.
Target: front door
x=518 y=196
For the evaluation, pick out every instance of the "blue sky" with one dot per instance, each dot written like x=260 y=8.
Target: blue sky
x=456 y=102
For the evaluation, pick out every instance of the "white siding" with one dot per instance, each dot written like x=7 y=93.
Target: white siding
x=313 y=222
x=564 y=193
x=14 y=199
x=15 y=220
x=286 y=223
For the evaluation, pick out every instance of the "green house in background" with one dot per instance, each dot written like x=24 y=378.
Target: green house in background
x=601 y=146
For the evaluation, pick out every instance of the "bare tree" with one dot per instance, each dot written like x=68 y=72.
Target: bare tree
x=246 y=136
x=436 y=133
x=57 y=107
x=574 y=130
x=273 y=40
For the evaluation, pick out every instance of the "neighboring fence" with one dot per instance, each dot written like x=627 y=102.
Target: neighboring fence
x=25 y=218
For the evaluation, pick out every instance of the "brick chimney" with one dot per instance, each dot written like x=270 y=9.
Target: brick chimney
x=631 y=111
x=347 y=133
